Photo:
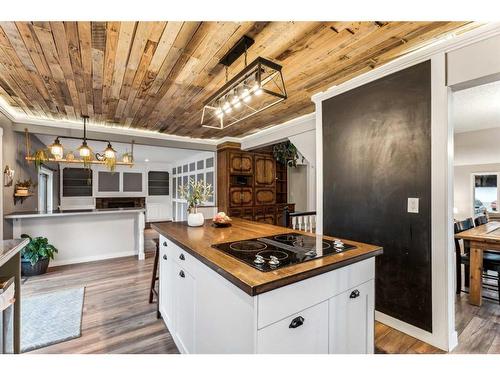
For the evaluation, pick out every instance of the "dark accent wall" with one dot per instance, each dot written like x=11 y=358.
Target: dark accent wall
x=376 y=155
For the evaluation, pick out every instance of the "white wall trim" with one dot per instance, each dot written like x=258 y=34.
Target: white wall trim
x=411 y=330
x=280 y=132
x=55 y=263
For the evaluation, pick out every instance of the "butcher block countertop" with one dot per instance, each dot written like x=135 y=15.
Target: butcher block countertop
x=197 y=241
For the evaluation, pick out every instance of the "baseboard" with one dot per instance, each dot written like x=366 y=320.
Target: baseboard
x=55 y=263
x=415 y=332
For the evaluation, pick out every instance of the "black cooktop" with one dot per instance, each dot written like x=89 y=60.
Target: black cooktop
x=273 y=252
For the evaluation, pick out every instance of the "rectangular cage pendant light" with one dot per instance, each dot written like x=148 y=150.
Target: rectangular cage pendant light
x=257 y=87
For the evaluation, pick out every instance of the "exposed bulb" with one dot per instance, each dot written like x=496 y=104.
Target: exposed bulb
x=109 y=152
x=56 y=149
x=84 y=150
x=236 y=102
x=245 y=95
x=257 y=90
x=227 y=107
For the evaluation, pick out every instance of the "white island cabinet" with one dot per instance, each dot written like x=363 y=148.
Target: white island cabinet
x=332 y=312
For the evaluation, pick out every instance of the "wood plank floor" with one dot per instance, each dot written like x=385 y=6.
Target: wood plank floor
x=117 y=317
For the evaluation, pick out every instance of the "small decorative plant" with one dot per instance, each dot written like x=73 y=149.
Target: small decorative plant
x=36 y=255
x=195 y=193
x=40 y=156
x=286 y=153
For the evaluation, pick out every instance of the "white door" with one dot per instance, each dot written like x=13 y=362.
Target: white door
x=352 y=320
x=184 y=308
x=305 y=332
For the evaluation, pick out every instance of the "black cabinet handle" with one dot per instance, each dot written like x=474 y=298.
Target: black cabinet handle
x=181 y=274
x=165 y=256
x=354 y=294
x=182 y=257
x=165 y=243
x=297 y=322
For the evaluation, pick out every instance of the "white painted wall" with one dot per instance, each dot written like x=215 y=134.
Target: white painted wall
x=477 y=147
x=474 y=64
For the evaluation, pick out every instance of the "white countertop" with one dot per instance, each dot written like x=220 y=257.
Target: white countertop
x=56 y=213
x=9 y=248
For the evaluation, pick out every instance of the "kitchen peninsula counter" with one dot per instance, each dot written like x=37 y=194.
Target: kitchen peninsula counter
x=197 y=241
x=85 y=235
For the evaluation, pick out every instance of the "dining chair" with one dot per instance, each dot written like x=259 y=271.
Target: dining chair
x=480 y=220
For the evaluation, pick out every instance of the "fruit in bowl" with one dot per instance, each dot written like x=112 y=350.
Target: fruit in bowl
x=222 y=220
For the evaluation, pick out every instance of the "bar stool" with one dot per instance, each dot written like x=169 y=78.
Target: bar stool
x=154 y=278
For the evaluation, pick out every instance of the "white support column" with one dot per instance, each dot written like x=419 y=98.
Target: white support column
x=140 y=235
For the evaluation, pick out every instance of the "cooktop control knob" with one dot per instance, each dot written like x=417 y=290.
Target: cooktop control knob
x=311 y=253
x=274 y=261
x=258 y=259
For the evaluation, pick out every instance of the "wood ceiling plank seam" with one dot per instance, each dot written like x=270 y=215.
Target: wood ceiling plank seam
x=125 y=37
x=371 y=54
x=193 y=68
x=41 y=71
x=85 y=43
x=8 y=98
x=112 y=34
x=216 y=35
x=143 y=65
x=138 y=45
x=98 y=48
x=35 y=48
x=47 y=44
x=11 y=87
x=62 y=49
x=73 y=40
x=186 y=35
x=34 y=90
x=162 y=50
x=19 y=97
x=22 y=84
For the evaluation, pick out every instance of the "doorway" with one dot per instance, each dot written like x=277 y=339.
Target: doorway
x=45 y=185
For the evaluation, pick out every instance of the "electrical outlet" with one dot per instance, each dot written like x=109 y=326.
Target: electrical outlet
x=413 y=205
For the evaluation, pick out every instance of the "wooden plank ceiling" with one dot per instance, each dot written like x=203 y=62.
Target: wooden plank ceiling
x=157 y=75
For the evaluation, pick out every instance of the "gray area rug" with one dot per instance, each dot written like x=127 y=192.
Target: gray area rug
x=50 y=318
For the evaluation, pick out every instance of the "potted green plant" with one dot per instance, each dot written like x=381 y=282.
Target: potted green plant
x=286 y=153
x=36 y=255
x=195 y=193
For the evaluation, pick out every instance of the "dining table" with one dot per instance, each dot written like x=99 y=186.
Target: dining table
x=481 y=238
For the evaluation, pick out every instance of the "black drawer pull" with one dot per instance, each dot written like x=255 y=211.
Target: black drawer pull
x=165 y=256
x=165 y=243
x=181 y=274
x=354 y=294
x=182 y=257
x=297 y=322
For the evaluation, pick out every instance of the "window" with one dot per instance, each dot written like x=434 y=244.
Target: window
x=485 y=193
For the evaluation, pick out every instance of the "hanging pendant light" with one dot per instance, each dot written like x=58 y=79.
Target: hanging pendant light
x=109 y=152
x=257 y=87
x=56 y=149
x=84 y=149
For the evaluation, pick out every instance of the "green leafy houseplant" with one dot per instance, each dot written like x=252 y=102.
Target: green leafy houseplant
x=195 y=193
x=286 y=153
x=36 y=255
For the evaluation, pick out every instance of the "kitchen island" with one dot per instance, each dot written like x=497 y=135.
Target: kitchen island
x=212 y=302
x=85 y=235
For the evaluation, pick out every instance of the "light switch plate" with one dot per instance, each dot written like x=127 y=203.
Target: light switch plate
x=413 y=205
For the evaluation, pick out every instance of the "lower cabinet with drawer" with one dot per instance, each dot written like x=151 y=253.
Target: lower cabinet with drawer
x=205 y=313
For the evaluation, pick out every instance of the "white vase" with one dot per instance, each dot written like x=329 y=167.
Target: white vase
x=196 y=219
